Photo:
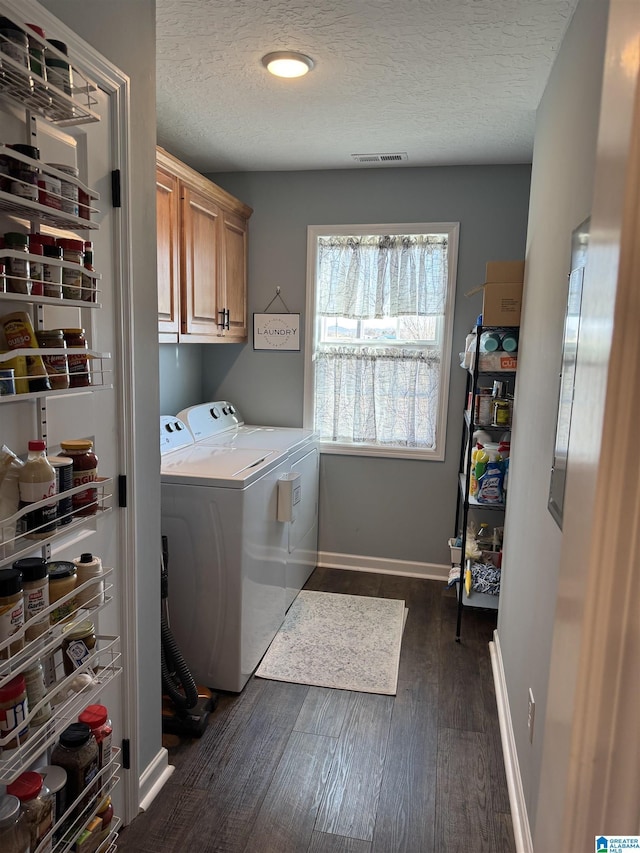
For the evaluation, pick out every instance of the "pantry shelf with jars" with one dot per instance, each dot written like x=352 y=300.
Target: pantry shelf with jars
x=60 y=658
x=490 y=363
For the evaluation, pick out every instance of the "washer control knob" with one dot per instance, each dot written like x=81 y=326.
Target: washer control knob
x=215 y=412
x=232 y=411
x=225 y=410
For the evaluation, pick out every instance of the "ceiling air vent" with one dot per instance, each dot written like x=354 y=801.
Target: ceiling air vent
x=396 y=157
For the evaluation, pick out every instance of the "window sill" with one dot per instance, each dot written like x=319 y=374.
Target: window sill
x=381 y=452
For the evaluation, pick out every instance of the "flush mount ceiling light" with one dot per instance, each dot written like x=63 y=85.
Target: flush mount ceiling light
x=287 y=63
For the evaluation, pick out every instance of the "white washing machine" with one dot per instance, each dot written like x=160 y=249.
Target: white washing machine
x=227 y=553
x=219 y=424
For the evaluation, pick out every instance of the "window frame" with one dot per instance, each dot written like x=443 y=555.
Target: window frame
x=452 y=230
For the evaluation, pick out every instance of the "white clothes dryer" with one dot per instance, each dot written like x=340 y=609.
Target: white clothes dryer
x=227 y=553
x=219 y=424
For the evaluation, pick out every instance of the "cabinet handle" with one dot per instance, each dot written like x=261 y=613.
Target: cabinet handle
x=221 y=324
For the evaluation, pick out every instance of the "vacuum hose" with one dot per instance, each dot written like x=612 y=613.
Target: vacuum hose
x=175 y=672
x=179 y=675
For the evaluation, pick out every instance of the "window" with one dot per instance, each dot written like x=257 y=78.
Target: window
x=380 y=303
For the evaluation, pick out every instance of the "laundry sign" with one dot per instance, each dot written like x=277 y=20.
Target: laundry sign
x=276 y=332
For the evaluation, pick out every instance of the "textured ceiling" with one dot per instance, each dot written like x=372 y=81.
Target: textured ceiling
x=446 y=81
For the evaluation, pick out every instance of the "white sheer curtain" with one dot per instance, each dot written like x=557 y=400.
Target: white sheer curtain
x=377 y=393
x=365 y=277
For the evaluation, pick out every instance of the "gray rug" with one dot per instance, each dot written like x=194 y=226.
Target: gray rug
x=350 y=642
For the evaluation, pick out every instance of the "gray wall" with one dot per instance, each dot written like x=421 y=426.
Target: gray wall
x=124 y=32
x=181 y=372
x=396 y=509
x=561 y=192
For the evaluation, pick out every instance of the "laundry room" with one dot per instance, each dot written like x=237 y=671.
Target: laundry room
x=307 y=658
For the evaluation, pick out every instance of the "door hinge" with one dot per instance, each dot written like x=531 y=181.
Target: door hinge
x=126 y=754
x=122 y=490
x=115 y=188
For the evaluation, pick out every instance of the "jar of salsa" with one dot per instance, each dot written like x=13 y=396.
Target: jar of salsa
x=85 y=470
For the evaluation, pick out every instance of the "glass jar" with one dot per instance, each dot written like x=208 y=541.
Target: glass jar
x=15 y=44
x=77 y=752
x=58 y=70
x=78 y=642
x=73 y=253
x=35 y=593
x=79 y=376
x=55 y=778
x=14 y=708
x=49 y=191
x=37 y=804
x=56 y=365
x=69 y=190
x=85 y=470
x=88 y=281
x=36 y=268
x=62 y=581
x=11 y=611
x=24 y=176
x=36 y=692
x=14 y=832
x=97 y=718
x=52 y=273
x=36 y=52
x=18 y=269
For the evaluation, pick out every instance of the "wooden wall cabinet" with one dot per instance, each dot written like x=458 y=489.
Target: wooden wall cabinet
x=202 y=257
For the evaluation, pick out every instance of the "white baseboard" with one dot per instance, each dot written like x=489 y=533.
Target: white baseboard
x=521 y=829
x=153 y=778
x=381 y=565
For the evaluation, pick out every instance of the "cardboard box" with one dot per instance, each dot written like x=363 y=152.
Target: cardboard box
x=501 y=304
x=501 y=293
x=498 y=361
x=504 y=272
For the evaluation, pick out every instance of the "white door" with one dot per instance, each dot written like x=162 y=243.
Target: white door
x=100 y=412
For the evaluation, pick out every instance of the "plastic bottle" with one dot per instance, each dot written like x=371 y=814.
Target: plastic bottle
x=510 y=341
x=489 y=342
x=90 y=567
x=14 y=832
x=97 y=718
x=37 y=482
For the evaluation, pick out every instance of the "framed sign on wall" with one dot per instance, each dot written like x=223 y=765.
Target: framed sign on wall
x=279 y=332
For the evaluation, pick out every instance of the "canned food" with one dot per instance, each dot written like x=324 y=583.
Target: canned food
x=7 y=382
x=63 y=466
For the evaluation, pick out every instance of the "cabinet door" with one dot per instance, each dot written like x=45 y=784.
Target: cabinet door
x=234 y=230
x=168 y=208
x=201 y=268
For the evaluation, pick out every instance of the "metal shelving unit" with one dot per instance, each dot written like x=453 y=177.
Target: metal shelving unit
x=32 y=95
x=465 y=501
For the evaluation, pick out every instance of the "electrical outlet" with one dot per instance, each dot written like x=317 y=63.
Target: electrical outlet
x=531 y=714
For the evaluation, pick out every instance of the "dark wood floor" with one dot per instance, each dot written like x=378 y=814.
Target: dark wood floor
x=285 y=768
